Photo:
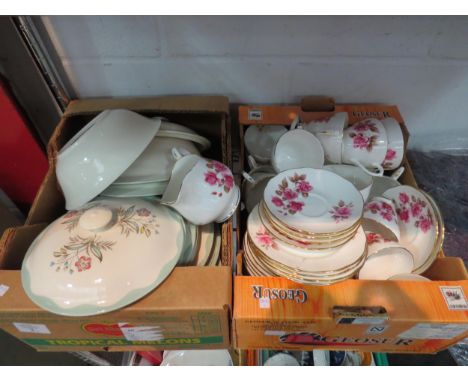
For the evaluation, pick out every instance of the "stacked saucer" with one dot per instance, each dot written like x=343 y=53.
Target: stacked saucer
x=307 y=228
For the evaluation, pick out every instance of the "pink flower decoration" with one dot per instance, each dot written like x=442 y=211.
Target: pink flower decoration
x=404 y=198
x=211 y=178
x=277 y=201
x=289 y=194
x=404 y=215
x=83 y=263
x=387 y=215
x=219 y=167
x=303 y=186
x=295 y=206
x=391 y=154
x=228 y=181
x=361 y=127
x=387 y=207
x=416 y=209
x=373 y=206
x=373 y=237
x=265 y=239
x=343 y=212
x=360 y=141
x=425 y=224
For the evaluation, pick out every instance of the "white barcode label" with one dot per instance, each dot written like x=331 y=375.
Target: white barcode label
x=255 y=115
x=141 y=333
x=264 y=303
x=369 y=320
x=3 y=289
x=31 y=328
x=434 y=331
x=454 y=297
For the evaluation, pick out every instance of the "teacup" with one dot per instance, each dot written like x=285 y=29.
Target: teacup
x=202 y=190
x=396 y=144
x=383 y=183
x=255 y=182
x=260 y=139
x=365 y=145
x=380 y=217
x=329 y=132
x=359 y=178
x=297 y=148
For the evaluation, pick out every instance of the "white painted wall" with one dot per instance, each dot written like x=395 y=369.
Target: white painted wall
x=418 y=63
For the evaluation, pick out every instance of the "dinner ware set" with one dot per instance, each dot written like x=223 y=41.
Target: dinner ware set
x=141 y=200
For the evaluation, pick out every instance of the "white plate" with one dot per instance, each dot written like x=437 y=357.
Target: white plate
x=205 y=247
x=219 y=357
x=386 y=263
x=417 y=222
x=103 y=257
x=215 y=257
x=314 y=200
x=310 y=261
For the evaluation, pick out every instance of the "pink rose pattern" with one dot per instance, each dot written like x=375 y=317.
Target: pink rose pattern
x=373 y=237
x=266 y=240
x=389 y=157
x=287 y=194
x=412 y=207
x=341 y=211
x=219 y=175
x=383 y=209
x=364 y=135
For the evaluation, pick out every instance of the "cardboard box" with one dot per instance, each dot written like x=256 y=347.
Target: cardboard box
x=191 y=307
x=362 y=315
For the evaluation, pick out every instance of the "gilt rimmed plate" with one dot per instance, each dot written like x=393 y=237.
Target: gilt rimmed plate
x=309 y=261
x=102 y=257
x=314 y=200
x=419 y=225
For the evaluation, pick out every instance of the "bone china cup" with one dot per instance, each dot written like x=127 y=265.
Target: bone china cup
x=201 y=190
x=100 y=152
x=380 y=216
x=365 y=145
x=259 y=140
x=396 y=144
x=359 y=178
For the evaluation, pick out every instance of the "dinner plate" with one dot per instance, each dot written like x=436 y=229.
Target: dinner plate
x=102 y=257
x=314 y=200
x=215 y=257
x=205 y=247
x=307 y=260
x=418 y=223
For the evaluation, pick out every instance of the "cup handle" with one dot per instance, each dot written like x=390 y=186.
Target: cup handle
x=294 y=123
x=178 y=153
x=397 y=173
x=252 y=162
x=248 y=178
x=378 y=166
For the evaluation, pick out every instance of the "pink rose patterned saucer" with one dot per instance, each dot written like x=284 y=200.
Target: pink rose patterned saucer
x=313 y=200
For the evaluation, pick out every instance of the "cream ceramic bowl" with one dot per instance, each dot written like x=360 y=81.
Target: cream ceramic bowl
x=156 y=162
x=296 y=149
x=103 y=256
x=100 y=152
x=359 y=178
x=201 y=190
x=260 y=140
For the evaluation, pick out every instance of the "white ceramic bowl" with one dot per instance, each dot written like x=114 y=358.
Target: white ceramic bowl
x=100 y=152
x=174 y=130
x=396 y=144
x=359 y=178
x=259 y=140
x=296 y=149
x=201 y=190
x=156 y=162
x=386 y=263
x=80 y=265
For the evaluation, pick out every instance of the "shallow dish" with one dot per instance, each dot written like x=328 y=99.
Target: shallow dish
x=100 y=152
x=386 y=263
x=80 y=266
x=419 y=225
x=313 y=200
x=205 y=247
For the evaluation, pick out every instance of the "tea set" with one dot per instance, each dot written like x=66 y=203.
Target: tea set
x=321 y=210
x=141 y=200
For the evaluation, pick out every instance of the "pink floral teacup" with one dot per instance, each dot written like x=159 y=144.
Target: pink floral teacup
x=365 y=145
x=380 y=217
x=396 y=144
x=201 y=190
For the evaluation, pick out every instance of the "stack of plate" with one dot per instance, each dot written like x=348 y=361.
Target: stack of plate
x=149 y=175
x=202 y=246
x=307 y=228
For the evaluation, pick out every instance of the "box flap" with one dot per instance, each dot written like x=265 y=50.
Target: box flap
x=176 y=104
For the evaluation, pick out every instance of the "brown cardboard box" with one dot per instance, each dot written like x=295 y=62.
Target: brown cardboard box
x=191 y=308
x=362 y=315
